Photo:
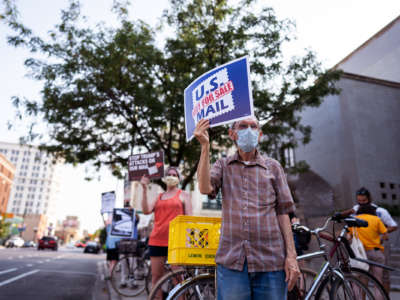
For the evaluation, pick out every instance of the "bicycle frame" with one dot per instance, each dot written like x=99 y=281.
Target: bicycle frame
x=341 y=239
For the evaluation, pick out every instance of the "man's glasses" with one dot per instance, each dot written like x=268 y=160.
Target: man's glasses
x=245 y=126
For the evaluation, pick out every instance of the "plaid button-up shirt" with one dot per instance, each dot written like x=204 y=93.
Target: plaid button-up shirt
x=253 y=194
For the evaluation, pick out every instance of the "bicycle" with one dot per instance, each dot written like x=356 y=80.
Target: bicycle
x=342 y=251
x=131 y=274
x=173 y=277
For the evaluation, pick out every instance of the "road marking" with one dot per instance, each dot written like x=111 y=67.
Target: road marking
x=7 y=271
x=47 y=260
x=20 y=256
x=10 y=258
x=18 y=277
x=69 y=272
x=29 y=265
x=40 y=262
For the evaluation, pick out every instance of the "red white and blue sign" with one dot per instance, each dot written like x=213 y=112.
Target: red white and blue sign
x=222 y=95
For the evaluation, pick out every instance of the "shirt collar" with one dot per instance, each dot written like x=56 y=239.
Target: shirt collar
x=259 y=160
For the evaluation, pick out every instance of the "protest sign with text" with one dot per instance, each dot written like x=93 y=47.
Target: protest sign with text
x=149 y=164
x=107 y=202
x=222 y=95
x=123 y=222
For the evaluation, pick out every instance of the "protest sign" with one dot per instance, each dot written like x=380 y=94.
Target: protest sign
x=123 y=222
x=149 y=164
x=127 y=190
x=107 y=202
x=222 y=95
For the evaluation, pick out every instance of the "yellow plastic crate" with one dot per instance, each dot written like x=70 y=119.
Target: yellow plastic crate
x=193 y=240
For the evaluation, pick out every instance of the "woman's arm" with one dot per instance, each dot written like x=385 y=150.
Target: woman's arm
x=187 y=200
x=146 y=207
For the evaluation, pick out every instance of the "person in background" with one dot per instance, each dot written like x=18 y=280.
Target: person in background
x=256 y=257
x=168 y=205
x=371 y=237
x=111 y=249
x=364 y=198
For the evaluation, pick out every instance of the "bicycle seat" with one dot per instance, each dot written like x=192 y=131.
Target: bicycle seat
x=355 y=222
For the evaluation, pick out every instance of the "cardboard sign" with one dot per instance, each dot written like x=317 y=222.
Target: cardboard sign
x=123 y=222
x=149 y=164
x=222 y=95
x=107 y=202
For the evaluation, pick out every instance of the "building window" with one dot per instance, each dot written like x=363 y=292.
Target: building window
x=382 y=185
x=391 y=186
x=214 y=204
x=394 y=196
x=289 y=157
x=384 y=196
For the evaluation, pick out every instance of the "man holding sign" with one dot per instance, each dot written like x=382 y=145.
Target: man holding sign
x=256 y=257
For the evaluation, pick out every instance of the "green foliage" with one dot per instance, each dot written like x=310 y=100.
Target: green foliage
x=107 y=90
x=103 y=236
x=5 y=229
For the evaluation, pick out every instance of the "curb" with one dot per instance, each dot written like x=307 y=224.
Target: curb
x=112 y=295
x=100 y=291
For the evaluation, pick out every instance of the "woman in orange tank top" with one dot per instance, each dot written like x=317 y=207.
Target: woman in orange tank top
x=168 y=205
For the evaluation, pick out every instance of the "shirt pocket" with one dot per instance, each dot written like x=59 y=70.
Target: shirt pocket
x=266 y=195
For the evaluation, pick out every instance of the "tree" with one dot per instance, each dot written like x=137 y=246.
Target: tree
x=107 y=90
x=5 y=229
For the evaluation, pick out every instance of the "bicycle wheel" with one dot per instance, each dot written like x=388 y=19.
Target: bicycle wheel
x=129 y=278
x=350 y=288
x=199 y=287
x=303 y=285
x=370 y=281
x=166 y=283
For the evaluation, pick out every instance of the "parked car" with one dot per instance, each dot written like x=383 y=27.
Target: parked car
x=15 y=241
x=80 y=245
x=29 y=244
x=92 y=247
x=48 y=242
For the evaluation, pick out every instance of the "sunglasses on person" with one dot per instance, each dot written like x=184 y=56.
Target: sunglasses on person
x=362 y=193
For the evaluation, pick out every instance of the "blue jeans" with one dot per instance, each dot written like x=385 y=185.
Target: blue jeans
x=242 y=285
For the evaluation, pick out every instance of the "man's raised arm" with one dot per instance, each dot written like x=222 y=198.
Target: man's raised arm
x=203 y=169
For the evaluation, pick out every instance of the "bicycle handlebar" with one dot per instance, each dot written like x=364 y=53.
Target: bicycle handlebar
x=315 y=231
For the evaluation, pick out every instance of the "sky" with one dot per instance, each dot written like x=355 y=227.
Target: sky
x=332 y=29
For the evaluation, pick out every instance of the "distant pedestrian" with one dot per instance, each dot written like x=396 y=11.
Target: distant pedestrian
x=111 y=249
x=166 y=207
x=364 y=198
x=371 y=237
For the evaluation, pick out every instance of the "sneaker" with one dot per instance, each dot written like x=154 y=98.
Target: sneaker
x=123 y=285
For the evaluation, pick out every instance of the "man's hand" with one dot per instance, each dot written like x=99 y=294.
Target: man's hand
x=292 y=272
x=201 y=133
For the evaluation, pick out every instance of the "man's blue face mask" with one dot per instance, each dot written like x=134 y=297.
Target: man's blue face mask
x=247 y=139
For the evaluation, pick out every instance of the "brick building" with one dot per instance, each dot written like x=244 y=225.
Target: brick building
x=7 y=170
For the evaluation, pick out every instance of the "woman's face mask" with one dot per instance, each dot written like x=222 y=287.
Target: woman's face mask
x=171 y=180
x=247 y=139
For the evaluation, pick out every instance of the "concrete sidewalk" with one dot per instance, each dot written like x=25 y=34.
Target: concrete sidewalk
x=113 y=295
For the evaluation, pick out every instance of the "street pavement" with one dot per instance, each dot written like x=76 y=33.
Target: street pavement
x=113 y=295
x=66 y=274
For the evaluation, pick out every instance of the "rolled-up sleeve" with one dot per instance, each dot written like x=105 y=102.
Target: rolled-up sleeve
x=216 y=178
x=284 y=200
